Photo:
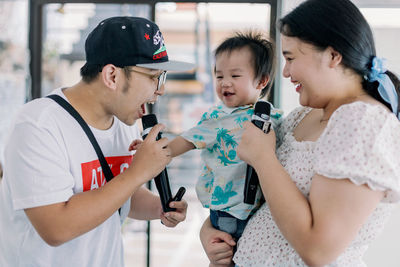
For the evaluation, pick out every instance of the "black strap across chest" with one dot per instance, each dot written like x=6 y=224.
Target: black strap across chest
x=67 y=106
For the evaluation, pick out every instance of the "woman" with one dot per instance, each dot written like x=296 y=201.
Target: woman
x=329 y=186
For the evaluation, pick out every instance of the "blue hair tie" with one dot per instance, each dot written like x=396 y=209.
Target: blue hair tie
x=386 y=87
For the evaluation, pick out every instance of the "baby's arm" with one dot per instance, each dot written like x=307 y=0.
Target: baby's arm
x=179 y=145
x=135 y=144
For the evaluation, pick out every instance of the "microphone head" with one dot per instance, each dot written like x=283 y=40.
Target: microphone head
x=149 y=120
x=262 y=107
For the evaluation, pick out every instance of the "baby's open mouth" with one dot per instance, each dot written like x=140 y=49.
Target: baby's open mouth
x=228 y=94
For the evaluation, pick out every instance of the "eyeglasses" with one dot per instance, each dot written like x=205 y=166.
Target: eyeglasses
x=162 y=77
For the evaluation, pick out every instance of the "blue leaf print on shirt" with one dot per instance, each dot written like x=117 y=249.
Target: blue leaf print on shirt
x=208 y=175
x=229 y=141
x=226 y=143
x=215 y=147
x=276 y=114
x=203 y=118
x=240 y=120
x=198 y=137
x=221 y=134
x=221 y=196
x=232 y=154
x=225 y=161
x=214 y=114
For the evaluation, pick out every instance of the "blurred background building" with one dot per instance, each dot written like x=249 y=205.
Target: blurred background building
x=42 y=48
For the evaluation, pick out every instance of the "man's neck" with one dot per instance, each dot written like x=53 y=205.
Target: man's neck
x=90 y=99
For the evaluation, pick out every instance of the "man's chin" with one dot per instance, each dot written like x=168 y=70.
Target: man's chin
x=130 y=122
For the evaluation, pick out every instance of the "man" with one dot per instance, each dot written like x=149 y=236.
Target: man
x=56 y=209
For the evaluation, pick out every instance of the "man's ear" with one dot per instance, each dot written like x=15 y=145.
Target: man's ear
x=262 y=82
x=335 y=58
x=108 y=75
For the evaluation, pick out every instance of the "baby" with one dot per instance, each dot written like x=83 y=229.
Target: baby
x=244 y=66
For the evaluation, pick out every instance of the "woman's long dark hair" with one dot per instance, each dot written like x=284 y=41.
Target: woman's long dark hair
x=340 y=25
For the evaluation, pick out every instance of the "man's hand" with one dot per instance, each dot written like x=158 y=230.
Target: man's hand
x=151 y=156
x=172 y=218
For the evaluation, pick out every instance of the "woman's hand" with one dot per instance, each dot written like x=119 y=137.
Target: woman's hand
x=172 y=218
x=218 y=245
x=255 y=144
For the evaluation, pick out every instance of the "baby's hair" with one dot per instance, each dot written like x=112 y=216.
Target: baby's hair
x=262 y=50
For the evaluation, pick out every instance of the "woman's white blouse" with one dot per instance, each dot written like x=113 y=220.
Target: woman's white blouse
x=362 y=143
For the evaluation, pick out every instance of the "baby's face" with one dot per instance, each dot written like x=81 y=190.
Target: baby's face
x=235 y=78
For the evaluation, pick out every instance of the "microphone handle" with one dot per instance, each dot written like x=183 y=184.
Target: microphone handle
x=251 y=185
x=162 y=185
x=164 y=190
x=252 y=182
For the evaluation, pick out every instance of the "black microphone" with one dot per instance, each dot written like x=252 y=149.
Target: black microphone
x=161 y=180
x=261 y=119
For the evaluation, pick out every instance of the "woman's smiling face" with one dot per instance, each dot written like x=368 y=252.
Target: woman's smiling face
x=307 y=67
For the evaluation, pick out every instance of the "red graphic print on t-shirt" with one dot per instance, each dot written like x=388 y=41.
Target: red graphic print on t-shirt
x=92 y=174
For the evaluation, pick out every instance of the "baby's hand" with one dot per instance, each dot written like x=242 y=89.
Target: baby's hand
x=135 y=144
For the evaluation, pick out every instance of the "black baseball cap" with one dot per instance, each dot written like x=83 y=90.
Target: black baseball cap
x=130 y=41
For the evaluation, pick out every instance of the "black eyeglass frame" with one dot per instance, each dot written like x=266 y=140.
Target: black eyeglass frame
x=162 y=77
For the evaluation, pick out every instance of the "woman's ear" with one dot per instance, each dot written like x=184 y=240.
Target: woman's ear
x=262 y=82
x=108 y=75
x=335 y=58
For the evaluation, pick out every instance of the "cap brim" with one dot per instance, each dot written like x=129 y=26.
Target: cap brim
x=169 y=65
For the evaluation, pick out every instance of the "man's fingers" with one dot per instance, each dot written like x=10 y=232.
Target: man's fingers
x=180 y=205
x=175 y=217
x=164 y=143
x=154 y=131
x=169 y=221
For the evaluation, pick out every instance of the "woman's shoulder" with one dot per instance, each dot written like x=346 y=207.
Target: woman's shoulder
x=361 y=142
x=361 y=113
x=363 y=120
x=358 y=108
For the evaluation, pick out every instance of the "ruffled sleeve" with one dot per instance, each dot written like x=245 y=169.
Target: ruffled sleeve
x=289 y=123
x=362 y=143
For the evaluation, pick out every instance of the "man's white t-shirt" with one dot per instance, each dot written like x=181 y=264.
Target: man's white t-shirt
x=49 y=158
